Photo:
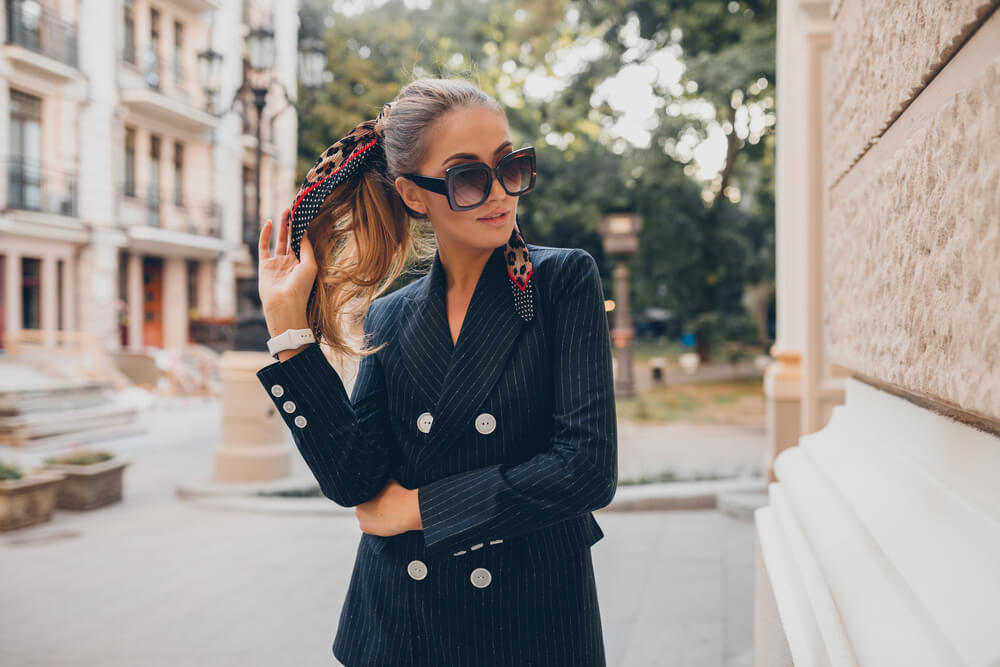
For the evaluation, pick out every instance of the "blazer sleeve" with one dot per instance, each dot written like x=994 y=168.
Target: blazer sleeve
x=578 y=473
x=346 y=442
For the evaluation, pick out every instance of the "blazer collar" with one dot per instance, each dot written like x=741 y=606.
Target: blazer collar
x=452 y=381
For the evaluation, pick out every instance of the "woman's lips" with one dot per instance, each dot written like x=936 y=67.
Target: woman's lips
x=498 y=221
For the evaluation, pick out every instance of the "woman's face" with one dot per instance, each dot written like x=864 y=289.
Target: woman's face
x=475 y=134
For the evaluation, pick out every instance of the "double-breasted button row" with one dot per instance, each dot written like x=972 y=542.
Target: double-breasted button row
x=485 y=422
x=480 y=577
x=288 y=406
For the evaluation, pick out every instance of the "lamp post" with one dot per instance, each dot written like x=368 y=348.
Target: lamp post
x=620 y=233
x=251 y=328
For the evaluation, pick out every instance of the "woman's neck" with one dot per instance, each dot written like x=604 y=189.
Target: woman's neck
x=463 y=267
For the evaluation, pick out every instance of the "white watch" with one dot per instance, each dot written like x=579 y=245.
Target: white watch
x=289 y=339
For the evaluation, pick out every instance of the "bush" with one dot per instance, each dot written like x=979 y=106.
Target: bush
x=10 y=472
x=81 y=457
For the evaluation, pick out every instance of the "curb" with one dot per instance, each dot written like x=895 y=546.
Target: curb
x=702 y=494
x=736 y=497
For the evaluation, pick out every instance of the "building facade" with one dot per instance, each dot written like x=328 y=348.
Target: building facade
x=881 y=539
x=126 y=195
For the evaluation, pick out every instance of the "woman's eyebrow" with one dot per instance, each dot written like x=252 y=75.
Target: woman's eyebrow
x=470 y=156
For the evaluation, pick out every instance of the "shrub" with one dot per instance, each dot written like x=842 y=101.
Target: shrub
x=81 y=457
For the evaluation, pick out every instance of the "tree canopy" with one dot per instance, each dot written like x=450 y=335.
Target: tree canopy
x=707 y=66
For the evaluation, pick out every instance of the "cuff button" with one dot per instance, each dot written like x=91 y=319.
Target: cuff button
x=300 y=421
x=288 y=406
x=277 y=391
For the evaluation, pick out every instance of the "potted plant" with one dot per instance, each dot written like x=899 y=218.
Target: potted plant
x=26 y=499
x=92 y=478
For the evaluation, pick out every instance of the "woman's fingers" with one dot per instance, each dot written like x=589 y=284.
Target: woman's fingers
x=281 y=247
x=264 y=243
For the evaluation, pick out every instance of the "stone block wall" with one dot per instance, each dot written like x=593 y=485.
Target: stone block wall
x=912 y=258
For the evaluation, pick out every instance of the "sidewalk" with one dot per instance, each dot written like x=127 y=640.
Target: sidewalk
x=156 y=580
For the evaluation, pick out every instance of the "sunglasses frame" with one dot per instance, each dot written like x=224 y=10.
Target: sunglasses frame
x=446 y=186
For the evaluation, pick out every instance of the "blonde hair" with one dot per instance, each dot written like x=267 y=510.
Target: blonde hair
x=364 y=235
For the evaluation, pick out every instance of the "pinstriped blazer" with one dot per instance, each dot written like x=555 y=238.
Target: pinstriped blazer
x=510 y=434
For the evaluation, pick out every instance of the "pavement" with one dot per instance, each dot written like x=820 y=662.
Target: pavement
x=164 y=579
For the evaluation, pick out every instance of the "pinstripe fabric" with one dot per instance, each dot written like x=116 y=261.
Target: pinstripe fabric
x=516 y=500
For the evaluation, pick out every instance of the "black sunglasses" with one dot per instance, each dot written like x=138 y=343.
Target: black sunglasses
x=467 y=185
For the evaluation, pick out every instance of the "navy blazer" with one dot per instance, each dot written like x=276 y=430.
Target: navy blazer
x=510 y=435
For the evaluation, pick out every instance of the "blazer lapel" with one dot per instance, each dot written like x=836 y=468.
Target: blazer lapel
x=455 y=380
x=424 y=340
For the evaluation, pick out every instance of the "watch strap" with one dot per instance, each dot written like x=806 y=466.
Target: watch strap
x=289 y=339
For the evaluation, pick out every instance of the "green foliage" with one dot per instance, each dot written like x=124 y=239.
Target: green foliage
x=10 y=471
x=702 y=241
x=80 y=457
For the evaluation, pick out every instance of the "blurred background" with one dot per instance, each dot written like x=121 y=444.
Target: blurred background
x=793 y=205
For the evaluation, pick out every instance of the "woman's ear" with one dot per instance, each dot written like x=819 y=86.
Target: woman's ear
x=411 y=196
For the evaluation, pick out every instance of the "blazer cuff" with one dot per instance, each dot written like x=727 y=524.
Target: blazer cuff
x=297 y=385
x=445 y=530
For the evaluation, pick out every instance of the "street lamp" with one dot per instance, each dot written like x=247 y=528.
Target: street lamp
x=251 y=328
x=620 y=232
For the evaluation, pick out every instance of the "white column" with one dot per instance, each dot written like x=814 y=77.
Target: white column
x=793 y=394
x=12 y=285
x=134 y=297
x=49 y=304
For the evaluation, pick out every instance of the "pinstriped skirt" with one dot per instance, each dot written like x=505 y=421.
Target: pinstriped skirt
x=540 y=613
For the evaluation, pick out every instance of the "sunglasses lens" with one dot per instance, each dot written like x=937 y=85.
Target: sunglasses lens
x=469 y=186
x=516 y=174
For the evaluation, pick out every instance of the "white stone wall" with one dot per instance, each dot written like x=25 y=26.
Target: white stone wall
x=883 y=55
x=913 y=242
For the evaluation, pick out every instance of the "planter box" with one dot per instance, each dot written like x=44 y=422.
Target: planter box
x=27 y=501
x=88 y=486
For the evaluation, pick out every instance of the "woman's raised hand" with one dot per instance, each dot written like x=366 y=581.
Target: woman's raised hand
x=284 y=282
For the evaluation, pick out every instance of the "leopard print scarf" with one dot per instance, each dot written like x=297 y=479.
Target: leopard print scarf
x=362 y=148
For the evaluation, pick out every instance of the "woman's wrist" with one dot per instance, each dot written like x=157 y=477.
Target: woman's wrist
x=277 y=323
x=285 y=355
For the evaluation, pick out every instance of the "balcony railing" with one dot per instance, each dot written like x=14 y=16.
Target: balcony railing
x=30 y=26
x=152 y=69
x=32 y=188
x=204 y=219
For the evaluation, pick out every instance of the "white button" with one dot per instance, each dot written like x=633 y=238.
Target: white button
x=481 y=577
x=416 y=569
x=288 y=406
x=476 y=546
x=424 y=422
x=300 y=421
x=277 y=390
x=485 y=423
x=459 y=553
x=495 y=541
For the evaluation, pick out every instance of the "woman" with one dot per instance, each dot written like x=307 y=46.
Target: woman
x=480 y=432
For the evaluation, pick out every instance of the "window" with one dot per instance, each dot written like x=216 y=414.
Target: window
x=153 y=55
x=128 y=54
x=249 y=194
x=129 y=162
x=31 y=293
x=154 y=180
x=192 y=287
x=154 y=30
x=178 y=174
x=60 y=269
x=178 y=52
x=24 y=170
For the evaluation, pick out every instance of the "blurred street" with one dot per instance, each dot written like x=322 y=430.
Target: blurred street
x=157 y=581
